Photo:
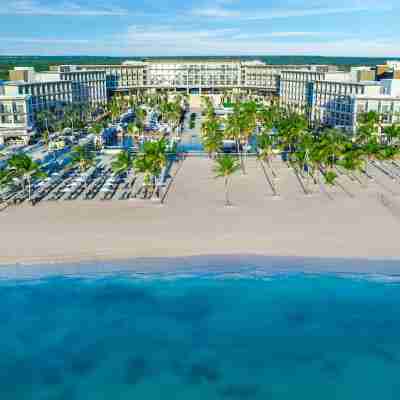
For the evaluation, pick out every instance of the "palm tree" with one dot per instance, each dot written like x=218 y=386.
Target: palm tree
x=122 y=163
x=211 y=135
x=332 y=146
x=151 y=162
x=291 y=128
x=353 y=161
x=115 y=109
x=265 y=144
x=24 y=168
x=140 y=115
x=132 y=130
x=392 y=133
x=225 y=167
x=144 y=165
x=369 y=127
x=4 y=177
x=97 y=130
x=236 y=125
x=83 y=156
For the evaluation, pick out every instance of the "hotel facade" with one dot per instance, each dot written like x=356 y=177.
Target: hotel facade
x=191 y=76
x=327 y=96
x=28 y=93
x=336 y=99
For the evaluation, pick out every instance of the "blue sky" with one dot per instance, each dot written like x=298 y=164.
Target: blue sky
x=202 y=27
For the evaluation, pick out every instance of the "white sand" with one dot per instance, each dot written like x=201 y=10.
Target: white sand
x=194 y=221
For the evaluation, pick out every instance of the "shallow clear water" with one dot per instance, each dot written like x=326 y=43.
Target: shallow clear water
x=211 y=337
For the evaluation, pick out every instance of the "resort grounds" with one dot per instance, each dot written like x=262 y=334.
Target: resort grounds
x=356 y=218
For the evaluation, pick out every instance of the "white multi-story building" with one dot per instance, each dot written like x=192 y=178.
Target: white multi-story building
x=29 y=93
x=296 y=91
x=332 y=102
x=191 y=75
x=336 y=99
x=16 y=117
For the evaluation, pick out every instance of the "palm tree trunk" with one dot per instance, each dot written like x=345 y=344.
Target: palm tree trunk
x=227 y=202
x=29 y=189
x=270 y=167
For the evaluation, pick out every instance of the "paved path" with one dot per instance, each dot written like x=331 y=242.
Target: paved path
x=191 y=138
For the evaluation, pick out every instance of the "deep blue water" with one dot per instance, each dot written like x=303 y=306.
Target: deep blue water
x=228 y=337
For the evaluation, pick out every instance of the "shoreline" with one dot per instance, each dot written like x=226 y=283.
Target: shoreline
x=243 y=265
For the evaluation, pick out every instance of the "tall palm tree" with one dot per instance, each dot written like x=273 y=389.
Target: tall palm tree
x=21 y=166
x=333 y=145
x=225 y=167
x=132 y=129
x=140 y=115
x=368 y=127
x=122 y=163
x=211 y=136
x=115 y=109
x=151 y=162
x=392 y=133
x=265 y=143
x=97 y=130
x=83 y=156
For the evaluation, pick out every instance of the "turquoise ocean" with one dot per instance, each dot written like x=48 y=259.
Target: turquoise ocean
x=221 y=334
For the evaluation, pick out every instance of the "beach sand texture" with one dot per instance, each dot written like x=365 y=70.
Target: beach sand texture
x=349 y=220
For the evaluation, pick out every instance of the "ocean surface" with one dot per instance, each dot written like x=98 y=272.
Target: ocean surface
x=226 y=335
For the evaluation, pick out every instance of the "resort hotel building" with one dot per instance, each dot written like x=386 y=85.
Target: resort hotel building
x=29 y=92
x=336 y=99
x=327 y=96
x=192 y=76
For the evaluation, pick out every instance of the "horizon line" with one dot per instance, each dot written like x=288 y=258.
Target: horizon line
x=197 y=56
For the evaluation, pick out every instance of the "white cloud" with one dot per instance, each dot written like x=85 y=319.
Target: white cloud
x=166 y=40
x=43 y=40
x=66 y=8
x=224 y=13
x=250 y=36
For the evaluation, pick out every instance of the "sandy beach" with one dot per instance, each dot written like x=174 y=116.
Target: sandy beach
x=348 y=221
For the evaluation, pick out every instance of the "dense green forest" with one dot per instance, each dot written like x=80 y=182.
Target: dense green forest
x=42 y=63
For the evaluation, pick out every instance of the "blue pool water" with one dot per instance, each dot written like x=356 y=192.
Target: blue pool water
x=228 y=337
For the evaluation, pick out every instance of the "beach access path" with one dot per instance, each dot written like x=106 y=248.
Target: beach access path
x=357 y=222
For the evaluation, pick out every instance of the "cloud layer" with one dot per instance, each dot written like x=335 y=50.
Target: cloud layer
x=208 y=27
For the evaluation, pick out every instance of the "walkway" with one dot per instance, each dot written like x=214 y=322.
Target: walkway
x=191 y=138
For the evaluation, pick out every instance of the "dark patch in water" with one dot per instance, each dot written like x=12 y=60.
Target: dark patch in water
x=387 y=356
x=82 y=363
x=178 y=367
x=239 y=391
x=297 y=318
x=50 y=374
x=137 y=369
x=14 y=373
x=111 y=294
x=332 y=368
x=67 y=393
x=202 y=372
x=190 y=308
